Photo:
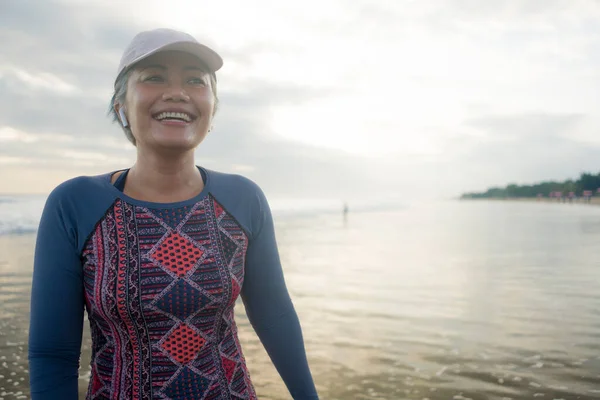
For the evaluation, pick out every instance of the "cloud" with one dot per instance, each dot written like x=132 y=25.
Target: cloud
x=431 y=97
x=45 y=124
x=43 y=81
x=516 y=127
x=524 y=148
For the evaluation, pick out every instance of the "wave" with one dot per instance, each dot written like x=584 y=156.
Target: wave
x=20 y=215
x=17 y=230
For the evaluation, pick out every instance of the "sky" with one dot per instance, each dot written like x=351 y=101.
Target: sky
x=347 y=100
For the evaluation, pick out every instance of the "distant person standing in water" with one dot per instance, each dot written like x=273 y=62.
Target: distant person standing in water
x=158 y=253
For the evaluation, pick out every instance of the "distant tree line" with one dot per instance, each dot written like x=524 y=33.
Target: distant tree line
x=585 y=182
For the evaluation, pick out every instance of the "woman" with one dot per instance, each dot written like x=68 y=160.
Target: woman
x=158 y=253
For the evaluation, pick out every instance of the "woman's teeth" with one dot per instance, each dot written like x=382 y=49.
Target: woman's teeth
x=174 y=115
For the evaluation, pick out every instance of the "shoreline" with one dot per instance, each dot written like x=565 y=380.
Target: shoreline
x=594 y=201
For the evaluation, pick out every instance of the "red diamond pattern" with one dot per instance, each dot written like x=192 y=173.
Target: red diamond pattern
x=229 y=367
x=183 y=344
x=235 y=291
x=177 y=254
x=96 y=383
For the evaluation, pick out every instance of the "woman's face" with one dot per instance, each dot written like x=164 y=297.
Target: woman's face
x=170 y=102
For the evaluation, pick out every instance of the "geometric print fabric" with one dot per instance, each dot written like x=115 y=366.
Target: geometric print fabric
x=166 y=296
x=177 y=254
x=183 y=344
x=188 y=385
x=182 y=300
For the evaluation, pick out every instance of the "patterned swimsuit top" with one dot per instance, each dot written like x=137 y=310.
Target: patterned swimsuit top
x=159 y=283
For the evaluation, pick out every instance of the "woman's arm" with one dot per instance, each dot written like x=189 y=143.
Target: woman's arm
x=56 y=322
x=270 y=309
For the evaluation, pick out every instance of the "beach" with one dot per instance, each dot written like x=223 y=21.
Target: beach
x=593 y=201
x=453 y=300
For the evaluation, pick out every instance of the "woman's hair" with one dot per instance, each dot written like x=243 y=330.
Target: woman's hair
x=120 y=94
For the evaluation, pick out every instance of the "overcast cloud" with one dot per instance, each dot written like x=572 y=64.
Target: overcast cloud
x=350 y=99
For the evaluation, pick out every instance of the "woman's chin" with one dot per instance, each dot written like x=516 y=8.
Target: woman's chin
x=175 y=142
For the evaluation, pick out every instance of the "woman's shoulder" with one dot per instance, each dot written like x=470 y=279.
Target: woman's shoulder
x=76 y=205
x=242 y=197
x=230 y=182
x=80 y=186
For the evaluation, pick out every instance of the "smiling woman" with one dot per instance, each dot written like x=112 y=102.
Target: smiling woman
x=190 y=75
x=183 y=122
x=157 y=254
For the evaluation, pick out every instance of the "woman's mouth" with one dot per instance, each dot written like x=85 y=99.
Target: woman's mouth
x=177 y=117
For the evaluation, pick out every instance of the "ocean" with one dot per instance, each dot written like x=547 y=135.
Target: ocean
x=444 y=300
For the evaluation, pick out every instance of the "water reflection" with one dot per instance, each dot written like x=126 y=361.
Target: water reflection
x=479 y=301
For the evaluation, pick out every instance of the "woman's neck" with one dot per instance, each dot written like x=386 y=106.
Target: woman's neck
x=164 y=180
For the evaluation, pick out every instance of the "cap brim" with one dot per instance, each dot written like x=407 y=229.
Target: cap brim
x=205 y=54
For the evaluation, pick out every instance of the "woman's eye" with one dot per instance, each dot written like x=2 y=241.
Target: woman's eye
x=196 y=81
x=154 y=78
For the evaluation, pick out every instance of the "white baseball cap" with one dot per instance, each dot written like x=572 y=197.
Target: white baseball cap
x=146 y=43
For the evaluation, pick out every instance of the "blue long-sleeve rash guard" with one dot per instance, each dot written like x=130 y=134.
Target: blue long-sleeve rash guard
x=159 y=283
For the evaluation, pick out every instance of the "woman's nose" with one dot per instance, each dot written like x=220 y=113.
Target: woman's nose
x=175 y=92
